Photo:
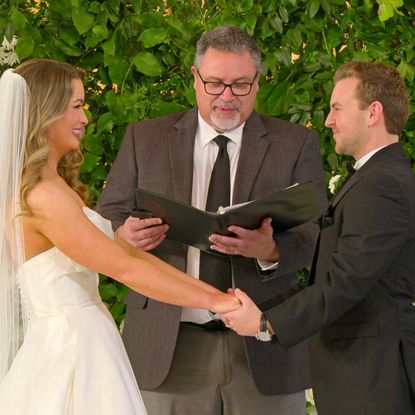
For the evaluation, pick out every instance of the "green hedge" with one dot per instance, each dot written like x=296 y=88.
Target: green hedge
x=138 y=56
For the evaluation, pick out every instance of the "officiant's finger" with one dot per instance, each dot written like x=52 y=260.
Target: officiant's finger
x=225 y=249
x=149 y=233
x=148 y=243
x=224 y=244
x=243 y=232
x=139 y=223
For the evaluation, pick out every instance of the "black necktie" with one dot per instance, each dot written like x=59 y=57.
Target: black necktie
x=215 y=269
x=350 y=170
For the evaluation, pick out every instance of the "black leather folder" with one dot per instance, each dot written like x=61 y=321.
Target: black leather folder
x=288 y=208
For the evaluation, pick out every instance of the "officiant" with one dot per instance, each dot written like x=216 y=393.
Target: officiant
x=222 y=152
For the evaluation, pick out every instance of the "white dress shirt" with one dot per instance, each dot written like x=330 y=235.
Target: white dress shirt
x=366 y=158
x=204 y=157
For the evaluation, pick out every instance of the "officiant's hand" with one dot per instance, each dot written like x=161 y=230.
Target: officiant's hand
x=257 y=243
x=145 y=234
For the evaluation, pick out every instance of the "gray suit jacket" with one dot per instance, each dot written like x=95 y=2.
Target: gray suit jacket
x=157 y=155
x=361 y=306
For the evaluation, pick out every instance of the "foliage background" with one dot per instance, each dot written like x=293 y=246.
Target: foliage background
x=138 y=55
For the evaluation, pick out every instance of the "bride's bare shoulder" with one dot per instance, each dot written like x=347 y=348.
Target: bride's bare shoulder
x=47 y=192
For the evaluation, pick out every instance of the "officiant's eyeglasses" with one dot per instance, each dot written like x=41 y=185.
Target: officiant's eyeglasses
x=239 y=89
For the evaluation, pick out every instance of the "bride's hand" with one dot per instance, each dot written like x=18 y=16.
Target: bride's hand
x=224 y=303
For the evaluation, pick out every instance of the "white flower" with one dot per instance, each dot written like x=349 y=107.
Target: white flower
x=3 y=55
x=7 y=54
x=13 y=42
x=6 y=45
x=12 y=59
x=9 y=45
x=334 y=183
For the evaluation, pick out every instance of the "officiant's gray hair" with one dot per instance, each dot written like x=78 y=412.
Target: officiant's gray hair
x=228 y=38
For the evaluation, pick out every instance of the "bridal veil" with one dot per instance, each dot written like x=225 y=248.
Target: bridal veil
x=14 y=107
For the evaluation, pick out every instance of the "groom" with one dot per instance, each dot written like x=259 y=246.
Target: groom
x=360 y=311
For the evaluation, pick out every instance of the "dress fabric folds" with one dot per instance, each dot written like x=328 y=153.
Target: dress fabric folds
x=72 y=361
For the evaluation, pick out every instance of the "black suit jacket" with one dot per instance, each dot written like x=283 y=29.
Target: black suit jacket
x=157 y=155
x=361 y=306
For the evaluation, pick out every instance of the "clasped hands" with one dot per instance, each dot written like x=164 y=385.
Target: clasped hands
x=242 y=316
x=245 y=319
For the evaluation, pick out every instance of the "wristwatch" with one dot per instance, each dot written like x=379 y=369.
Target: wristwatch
x=263 y=334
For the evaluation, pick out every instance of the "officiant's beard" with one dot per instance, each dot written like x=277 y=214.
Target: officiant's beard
x=224 y=123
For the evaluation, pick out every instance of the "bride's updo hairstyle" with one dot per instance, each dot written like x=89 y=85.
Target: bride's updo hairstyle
x=51 y=89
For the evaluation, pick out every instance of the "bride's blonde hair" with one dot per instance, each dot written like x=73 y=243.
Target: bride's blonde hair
x=51 y=88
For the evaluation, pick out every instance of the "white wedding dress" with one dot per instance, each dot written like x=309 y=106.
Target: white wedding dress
x=72 y=361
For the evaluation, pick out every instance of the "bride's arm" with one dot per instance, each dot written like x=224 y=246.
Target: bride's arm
x=59 y=217
x=164 y=266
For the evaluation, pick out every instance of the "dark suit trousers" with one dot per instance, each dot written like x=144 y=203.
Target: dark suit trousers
x=210 y=376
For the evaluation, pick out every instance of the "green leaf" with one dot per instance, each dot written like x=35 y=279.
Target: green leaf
x=385 y=12
x=68 y=49
x=108 y=290
x=333 y=161
x=100 y=172
x=247 y=4
x=318 y=119
x=153 y=36
x=283 y=12
x=18 y=18
x=123 y=290
x=334 y=37
x=137 y=6
x=276 y=101
x=115 y=4
x=276 y=23
x=294 y=37
x=109 y=47
x=93 y=144
x=69 y=34
x=25 y=46
x=94 y=7
x=314 y=7
x=117 y=309
x=179 y=28
x=90 y=162
x=105 y=123
x=100 y=31
x=82 y=19
x=118 y=70
x=147 y=63
x=251 y=20
x=164 y=108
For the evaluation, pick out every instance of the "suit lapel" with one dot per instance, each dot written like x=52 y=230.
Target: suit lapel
x=393 y=152
x=181 y=144
x=353 y=180
x=253 y=150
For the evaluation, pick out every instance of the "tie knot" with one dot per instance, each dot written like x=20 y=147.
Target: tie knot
x=350 y=169
x=221 y=141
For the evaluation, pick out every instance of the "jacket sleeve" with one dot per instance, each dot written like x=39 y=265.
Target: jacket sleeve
x=297 y=245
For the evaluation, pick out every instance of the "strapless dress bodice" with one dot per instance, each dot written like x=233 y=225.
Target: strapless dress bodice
x=51 y=283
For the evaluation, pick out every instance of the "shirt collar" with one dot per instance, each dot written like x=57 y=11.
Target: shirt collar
x=366 y=158
x=206 y=133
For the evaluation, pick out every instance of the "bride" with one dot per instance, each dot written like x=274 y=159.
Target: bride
x=72 y=360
